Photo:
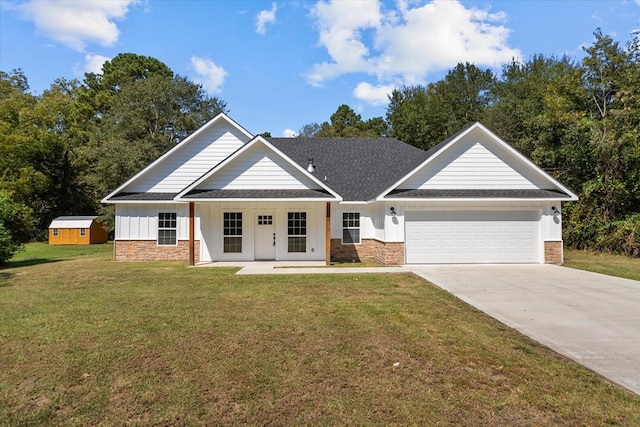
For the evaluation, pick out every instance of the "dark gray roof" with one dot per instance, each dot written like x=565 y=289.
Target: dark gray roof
x=358 y=169
x=257 y=194
x=161 y=197
x=471 y=194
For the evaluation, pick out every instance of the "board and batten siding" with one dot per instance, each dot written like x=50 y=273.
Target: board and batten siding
x=211 y=228
x=475 y=163
x=140 y=221
x=258 y=169
x=367 y=229
x=191 y=161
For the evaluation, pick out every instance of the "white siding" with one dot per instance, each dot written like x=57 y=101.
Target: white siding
x=476 y=162
x=258 y=169
x=140 y=221
x=367 y=228
x=211 y=226
x=191 y=161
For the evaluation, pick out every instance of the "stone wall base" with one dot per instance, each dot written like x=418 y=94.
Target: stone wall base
x=148 y=250
x=368 y=249
x=553 y=253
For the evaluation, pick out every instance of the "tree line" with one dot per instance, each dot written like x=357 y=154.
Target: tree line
x=65 y=149
x=578 y=120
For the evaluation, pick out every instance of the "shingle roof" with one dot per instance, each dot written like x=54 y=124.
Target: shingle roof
x=72 y=222
x=256 y=194
x=479 y=194
x=358 y=169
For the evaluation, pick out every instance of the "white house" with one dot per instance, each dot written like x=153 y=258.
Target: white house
x=223 y=194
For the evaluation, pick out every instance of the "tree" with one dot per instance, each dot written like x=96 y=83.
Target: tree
x=16 y=226
x=345 y=122
x=424 y=116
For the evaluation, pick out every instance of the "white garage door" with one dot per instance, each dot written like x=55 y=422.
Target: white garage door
x=472 y=237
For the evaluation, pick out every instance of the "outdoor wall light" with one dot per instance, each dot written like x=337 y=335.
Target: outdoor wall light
x=393 y=210
x=554 y=210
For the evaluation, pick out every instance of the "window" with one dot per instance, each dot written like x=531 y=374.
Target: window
x=265 y=219
x=83 y=232
x=350 y=227
x=232 y=231
x=297 y=231
x=167 y=229
x=55 y=232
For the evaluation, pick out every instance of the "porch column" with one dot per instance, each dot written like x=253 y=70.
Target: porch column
x=328 y=235
x=192 y=229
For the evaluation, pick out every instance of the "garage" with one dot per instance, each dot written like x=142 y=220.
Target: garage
x=472 y=237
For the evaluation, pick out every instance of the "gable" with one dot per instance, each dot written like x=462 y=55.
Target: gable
x=189 y=163
x=258 y=168
x=477 y=161
x=186 y=162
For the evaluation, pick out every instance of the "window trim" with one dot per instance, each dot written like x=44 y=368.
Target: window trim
x=83 y=232
x=289 y=226
x=55 y=232
x=175 y=229
x=241 y=228
x=359 y=228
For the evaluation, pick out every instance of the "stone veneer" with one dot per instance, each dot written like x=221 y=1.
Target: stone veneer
x=148 y=250
x=553 y=252
x=371 y=249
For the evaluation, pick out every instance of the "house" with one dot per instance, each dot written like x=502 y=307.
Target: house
x=223 y=194
x=76 y=230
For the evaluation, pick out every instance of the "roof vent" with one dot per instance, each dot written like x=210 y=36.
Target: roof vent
x=311 y=167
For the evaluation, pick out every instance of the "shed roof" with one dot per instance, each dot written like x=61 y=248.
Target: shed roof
x=72 y=222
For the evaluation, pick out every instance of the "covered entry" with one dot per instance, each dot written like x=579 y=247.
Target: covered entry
x=472 y=237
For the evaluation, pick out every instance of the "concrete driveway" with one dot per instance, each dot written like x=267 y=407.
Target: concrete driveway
x=591 y=318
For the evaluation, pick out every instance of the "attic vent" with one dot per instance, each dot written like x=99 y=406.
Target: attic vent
x=311 y=167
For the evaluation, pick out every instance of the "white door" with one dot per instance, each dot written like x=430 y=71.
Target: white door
x=264 y=237
x=480 y=237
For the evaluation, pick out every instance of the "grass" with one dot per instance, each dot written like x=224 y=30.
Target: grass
x=86 y=341
x=614 y=265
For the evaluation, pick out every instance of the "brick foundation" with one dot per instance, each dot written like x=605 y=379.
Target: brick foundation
x=369 y=249
x=553 y=253
x=148 y=250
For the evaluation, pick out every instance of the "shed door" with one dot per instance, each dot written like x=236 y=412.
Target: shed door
x=480 y=237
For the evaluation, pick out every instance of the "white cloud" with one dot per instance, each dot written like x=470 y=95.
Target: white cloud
x=208 y=74
x=94 y=63
x=373 y=95
x=290 y=133
x=266 y=17
x=405 y=44
x=77 y=23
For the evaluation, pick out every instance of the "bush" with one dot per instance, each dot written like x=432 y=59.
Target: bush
x=8 y=246
x=621 y=237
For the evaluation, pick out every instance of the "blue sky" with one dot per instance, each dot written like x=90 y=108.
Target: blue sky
x=281 y=65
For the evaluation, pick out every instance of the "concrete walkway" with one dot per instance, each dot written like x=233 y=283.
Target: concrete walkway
x=590 y=318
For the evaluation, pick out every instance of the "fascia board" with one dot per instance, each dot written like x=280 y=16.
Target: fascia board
x=174 y=201
x=195 y=134
x=240 y=199
x=257 y=140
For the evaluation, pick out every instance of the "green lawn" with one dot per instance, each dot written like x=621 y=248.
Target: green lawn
x=86 y=341
x=614 y=265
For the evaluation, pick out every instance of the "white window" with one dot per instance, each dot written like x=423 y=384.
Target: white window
x=83 y=232
x=351 y=228
x=55 y=232
x=167 y=229
x=297 y=231
x=232 y=231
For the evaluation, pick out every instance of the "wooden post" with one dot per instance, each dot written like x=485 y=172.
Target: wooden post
x=328 y=235
x=192 y=229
